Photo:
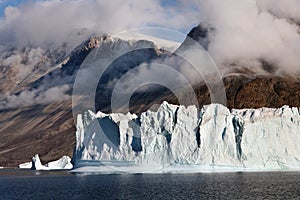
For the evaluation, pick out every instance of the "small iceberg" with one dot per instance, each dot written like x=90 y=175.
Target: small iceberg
x=26 y=165
x=62 y=163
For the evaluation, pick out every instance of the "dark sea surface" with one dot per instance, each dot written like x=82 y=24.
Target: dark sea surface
x=27 y=184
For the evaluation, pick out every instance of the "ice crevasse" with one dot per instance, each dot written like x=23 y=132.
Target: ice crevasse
x=213 y=138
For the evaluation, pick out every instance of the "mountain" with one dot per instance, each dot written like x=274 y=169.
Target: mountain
x=36 y=106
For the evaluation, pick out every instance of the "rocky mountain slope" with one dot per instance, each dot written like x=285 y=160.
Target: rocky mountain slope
x=34 y=115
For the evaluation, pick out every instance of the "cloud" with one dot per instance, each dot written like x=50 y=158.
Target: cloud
x=282 y=9
x=245 y=31
x=251 y=30
x=25 y=61
x=42 y=23
x=38 y=96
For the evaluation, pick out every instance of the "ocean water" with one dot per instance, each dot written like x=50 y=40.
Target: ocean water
x=27 y=184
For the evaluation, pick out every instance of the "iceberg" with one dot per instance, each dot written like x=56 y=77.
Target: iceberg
x=182 y=139
x=62 y=163
x=26 y=165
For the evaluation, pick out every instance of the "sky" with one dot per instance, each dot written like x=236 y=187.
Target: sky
x=5 y=3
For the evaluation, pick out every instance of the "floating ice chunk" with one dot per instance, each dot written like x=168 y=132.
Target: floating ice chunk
x=36 y=163
x=62 y=163
x=26 y=165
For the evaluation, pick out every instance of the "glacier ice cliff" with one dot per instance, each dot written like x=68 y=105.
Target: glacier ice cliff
x=212 y=138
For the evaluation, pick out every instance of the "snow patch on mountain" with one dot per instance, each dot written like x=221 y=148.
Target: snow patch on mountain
x=159 y=42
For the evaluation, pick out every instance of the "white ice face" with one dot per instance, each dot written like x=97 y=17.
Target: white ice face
x=213 y=137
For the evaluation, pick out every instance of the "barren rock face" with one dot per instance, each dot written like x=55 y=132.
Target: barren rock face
x=265 y=91
x=242 y=91
x=47 y=129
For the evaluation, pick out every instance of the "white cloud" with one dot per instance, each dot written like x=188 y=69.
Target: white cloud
x=285 y=9
x=250 y=30
x=28 y=98
x=58 y=21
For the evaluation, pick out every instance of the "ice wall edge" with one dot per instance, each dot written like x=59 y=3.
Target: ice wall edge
x=264 y=138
